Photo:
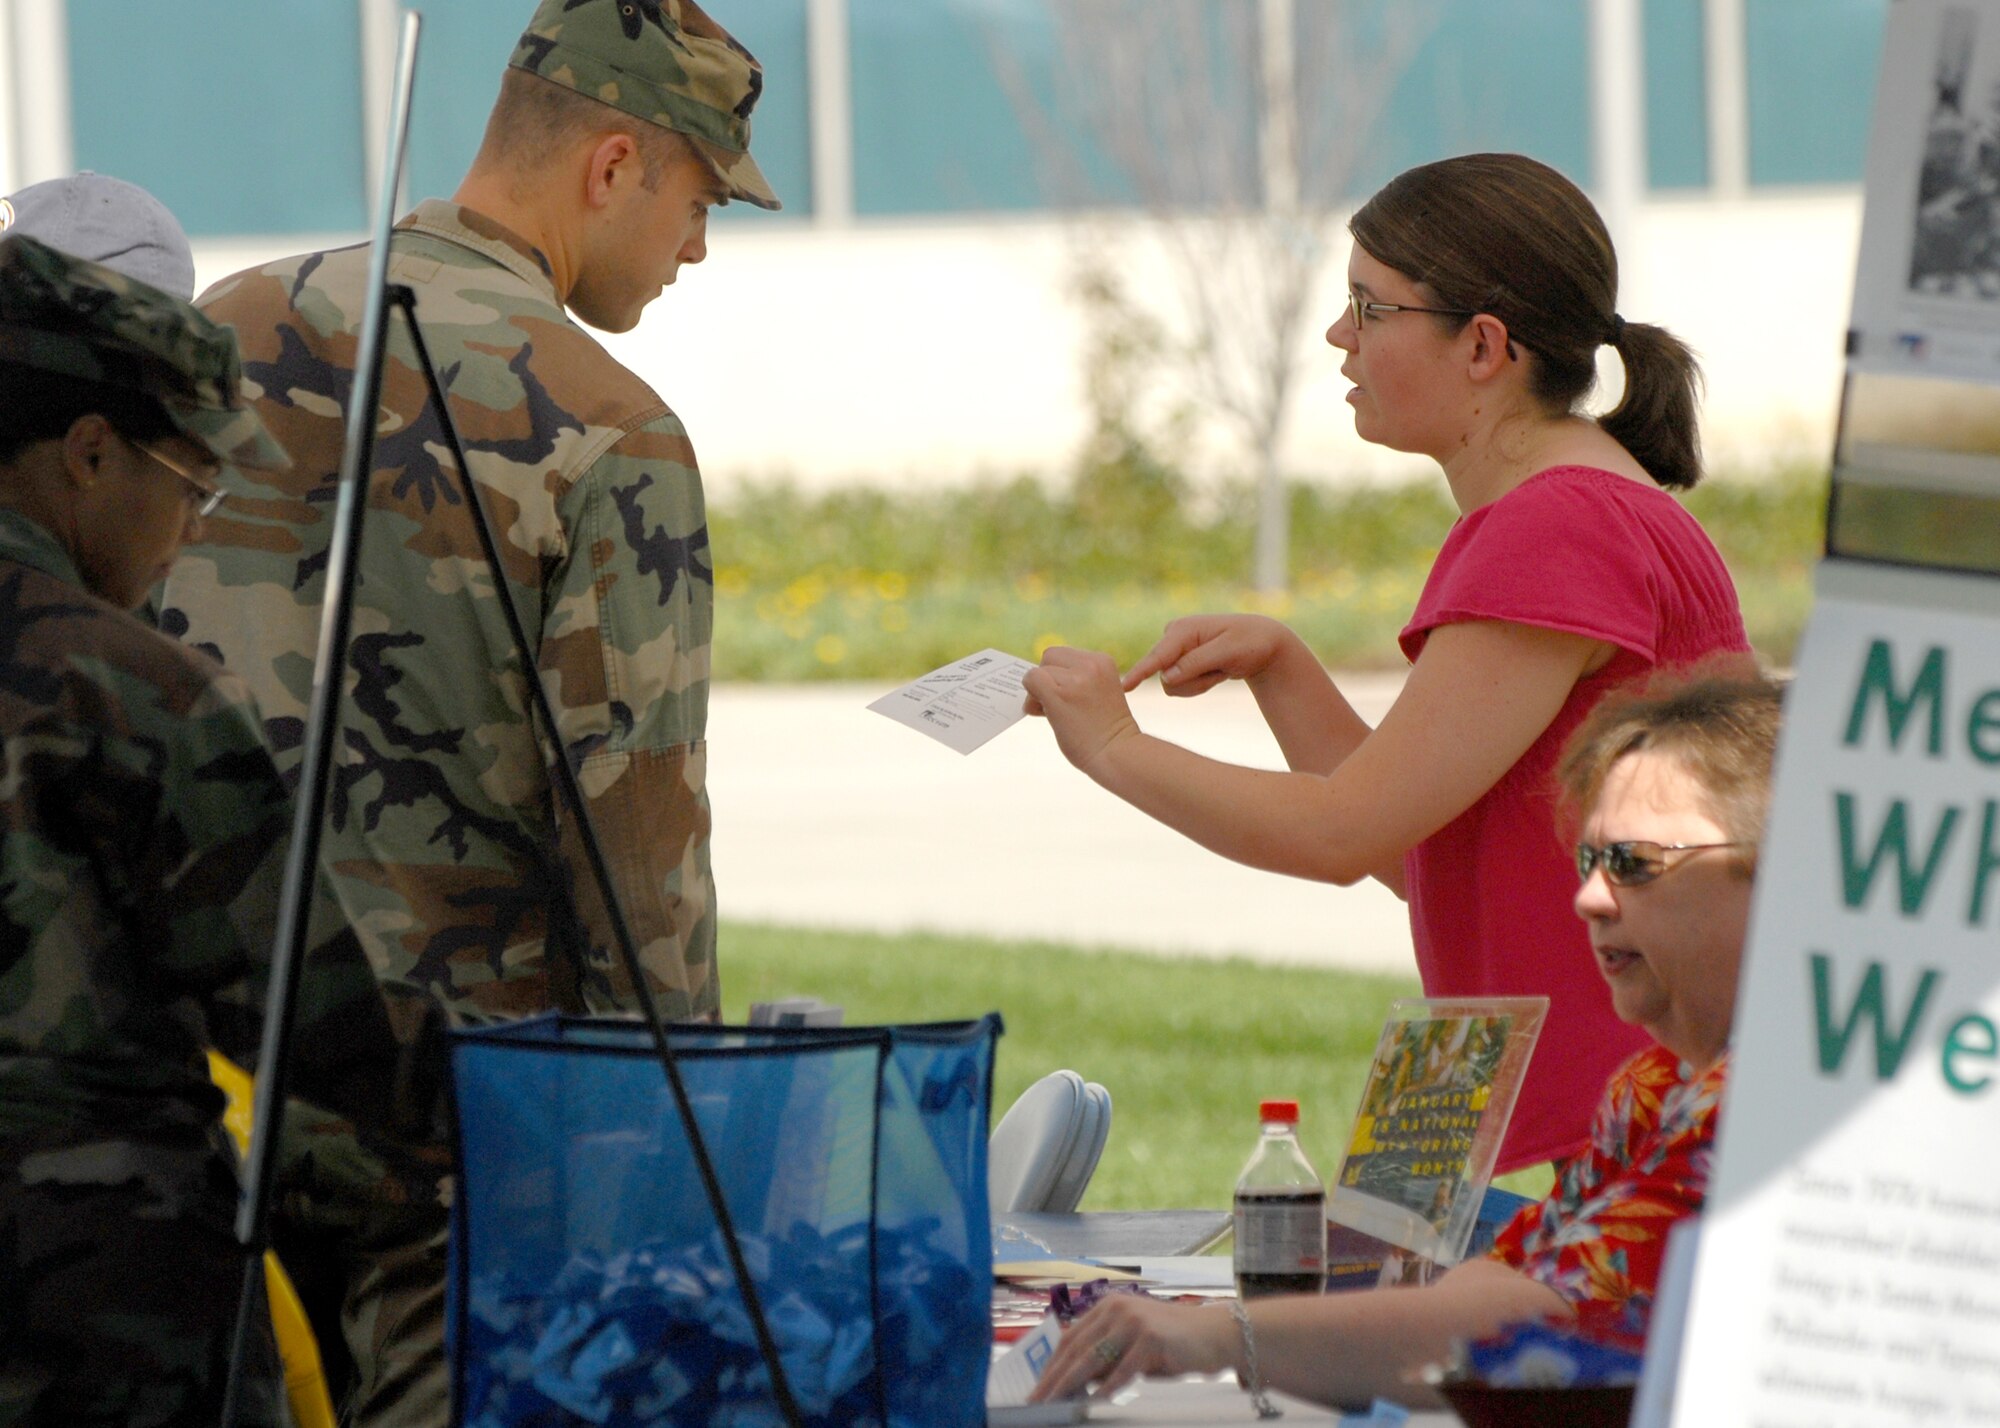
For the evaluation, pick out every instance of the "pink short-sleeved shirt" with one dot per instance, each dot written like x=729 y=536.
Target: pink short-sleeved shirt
x=1592 y=553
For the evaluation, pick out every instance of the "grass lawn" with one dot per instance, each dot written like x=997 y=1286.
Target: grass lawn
x=1186 y=1048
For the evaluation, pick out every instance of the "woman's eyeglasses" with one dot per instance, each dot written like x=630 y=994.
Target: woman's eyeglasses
x=1634 y=862
x=206 y=497
x=1359 y=307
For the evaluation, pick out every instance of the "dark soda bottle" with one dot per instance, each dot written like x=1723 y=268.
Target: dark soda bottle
x=1280 y=1212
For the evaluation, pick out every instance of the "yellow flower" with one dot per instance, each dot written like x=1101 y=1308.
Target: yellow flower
x=805 y=592
x=1032 y=587
x=1268 y=602
x=892 y=585
x=830 y=649
x=732 y=580
x=1045 y=643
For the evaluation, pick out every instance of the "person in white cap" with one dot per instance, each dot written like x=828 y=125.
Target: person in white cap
x=108 y=221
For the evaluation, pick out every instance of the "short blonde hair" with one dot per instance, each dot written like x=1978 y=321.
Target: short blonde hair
x=535 y=121
x=1718 y=720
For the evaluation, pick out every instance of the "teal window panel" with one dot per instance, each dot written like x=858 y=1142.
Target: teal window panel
x=945 y=94
x=1676 y=95
x=243 y=116
x=781 y=127
x=462 y=52
x=1457 y=76
x=993 y=105
x=1811 y=68
x=465 y=48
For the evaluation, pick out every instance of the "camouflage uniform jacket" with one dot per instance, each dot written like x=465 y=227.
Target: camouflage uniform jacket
x=444 y=834
x=137 y=803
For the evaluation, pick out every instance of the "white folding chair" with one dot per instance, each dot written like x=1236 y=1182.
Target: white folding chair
x=1081 y=1162
x=1046 y=1147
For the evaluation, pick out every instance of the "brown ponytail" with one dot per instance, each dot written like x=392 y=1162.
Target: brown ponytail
x=1504 y=234
x=1657 y=418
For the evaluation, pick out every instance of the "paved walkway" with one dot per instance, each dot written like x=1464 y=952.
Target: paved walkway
x=829 y=815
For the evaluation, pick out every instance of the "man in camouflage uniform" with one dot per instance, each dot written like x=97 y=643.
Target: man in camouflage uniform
x=137 y=808
x=619 y=123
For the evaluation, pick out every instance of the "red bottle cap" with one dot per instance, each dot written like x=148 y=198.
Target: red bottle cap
x=1287 y=1111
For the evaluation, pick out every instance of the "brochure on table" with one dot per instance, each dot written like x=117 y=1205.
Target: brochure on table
x=1435 y=1108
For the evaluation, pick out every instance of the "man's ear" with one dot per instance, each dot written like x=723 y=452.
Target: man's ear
x=87 y=442
x=616 y=167
x=1492 y=348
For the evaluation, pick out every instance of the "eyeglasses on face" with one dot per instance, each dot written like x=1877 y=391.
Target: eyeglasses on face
x=204 y=497
x=1359 y=307
x=1634 y=862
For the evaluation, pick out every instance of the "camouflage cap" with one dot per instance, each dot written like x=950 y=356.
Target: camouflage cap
x=664 y=61
x=81 y=319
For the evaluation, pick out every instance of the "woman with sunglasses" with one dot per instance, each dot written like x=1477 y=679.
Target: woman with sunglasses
x=1673 y=786
x=1480 y=290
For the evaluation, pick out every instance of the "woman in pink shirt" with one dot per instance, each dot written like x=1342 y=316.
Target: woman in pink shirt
x=1479 y=291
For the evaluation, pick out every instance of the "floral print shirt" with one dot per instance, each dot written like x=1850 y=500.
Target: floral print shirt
x=1599 y=1238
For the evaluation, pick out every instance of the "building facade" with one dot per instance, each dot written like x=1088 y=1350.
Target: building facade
x=910 y=314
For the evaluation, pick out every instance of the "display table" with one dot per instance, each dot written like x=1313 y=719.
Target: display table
x=1119 y=1235
x=1196 y=1402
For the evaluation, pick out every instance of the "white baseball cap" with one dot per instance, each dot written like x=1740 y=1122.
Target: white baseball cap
x=108 y=221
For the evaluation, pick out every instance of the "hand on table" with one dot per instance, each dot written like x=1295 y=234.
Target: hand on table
x=1126 y=1335
x=1198 y=652
x=1078 y=692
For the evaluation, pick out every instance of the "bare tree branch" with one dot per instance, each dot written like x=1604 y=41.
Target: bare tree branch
x=1163 y=105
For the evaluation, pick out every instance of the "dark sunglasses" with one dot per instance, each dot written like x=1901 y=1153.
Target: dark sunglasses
x=1635 y=862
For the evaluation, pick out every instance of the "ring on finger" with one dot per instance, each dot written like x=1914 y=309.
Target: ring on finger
x=1108 y=1353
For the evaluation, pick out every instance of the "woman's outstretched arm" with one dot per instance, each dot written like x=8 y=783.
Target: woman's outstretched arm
x=1475 y=701
x=1335 y=1349
x=1311 y=719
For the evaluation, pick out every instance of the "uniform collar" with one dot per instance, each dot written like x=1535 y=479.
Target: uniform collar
x=497 y=243
x=29 y=543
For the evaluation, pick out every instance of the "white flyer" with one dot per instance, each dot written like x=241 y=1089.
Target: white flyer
x=963 y=704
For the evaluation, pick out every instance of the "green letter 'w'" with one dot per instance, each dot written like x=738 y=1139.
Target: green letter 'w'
x=1889 y=1050
x=1912 y=886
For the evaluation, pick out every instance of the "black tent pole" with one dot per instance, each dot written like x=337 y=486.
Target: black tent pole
x=322 y=726
x=571 y=790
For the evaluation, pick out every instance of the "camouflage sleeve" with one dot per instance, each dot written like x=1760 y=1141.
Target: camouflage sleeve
x=625 y=653
x=220 y=812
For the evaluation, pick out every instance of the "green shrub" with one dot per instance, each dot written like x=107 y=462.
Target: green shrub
x=861 y=583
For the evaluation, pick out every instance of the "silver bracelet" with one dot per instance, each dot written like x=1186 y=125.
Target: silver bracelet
x=1254 y=1384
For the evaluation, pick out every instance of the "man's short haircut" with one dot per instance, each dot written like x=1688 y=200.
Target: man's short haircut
x=1718 y=720
x=38 y=406
x=535 y=122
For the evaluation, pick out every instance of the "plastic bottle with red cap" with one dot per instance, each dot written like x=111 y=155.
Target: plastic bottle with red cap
x=1280 y=1212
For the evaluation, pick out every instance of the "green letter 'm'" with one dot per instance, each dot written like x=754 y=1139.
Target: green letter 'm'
x=1878 y=679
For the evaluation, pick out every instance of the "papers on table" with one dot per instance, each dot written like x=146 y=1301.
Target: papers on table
x=1061 y=1271
x=1014 y=1375
x=1189 y=1274
x=963 y=704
